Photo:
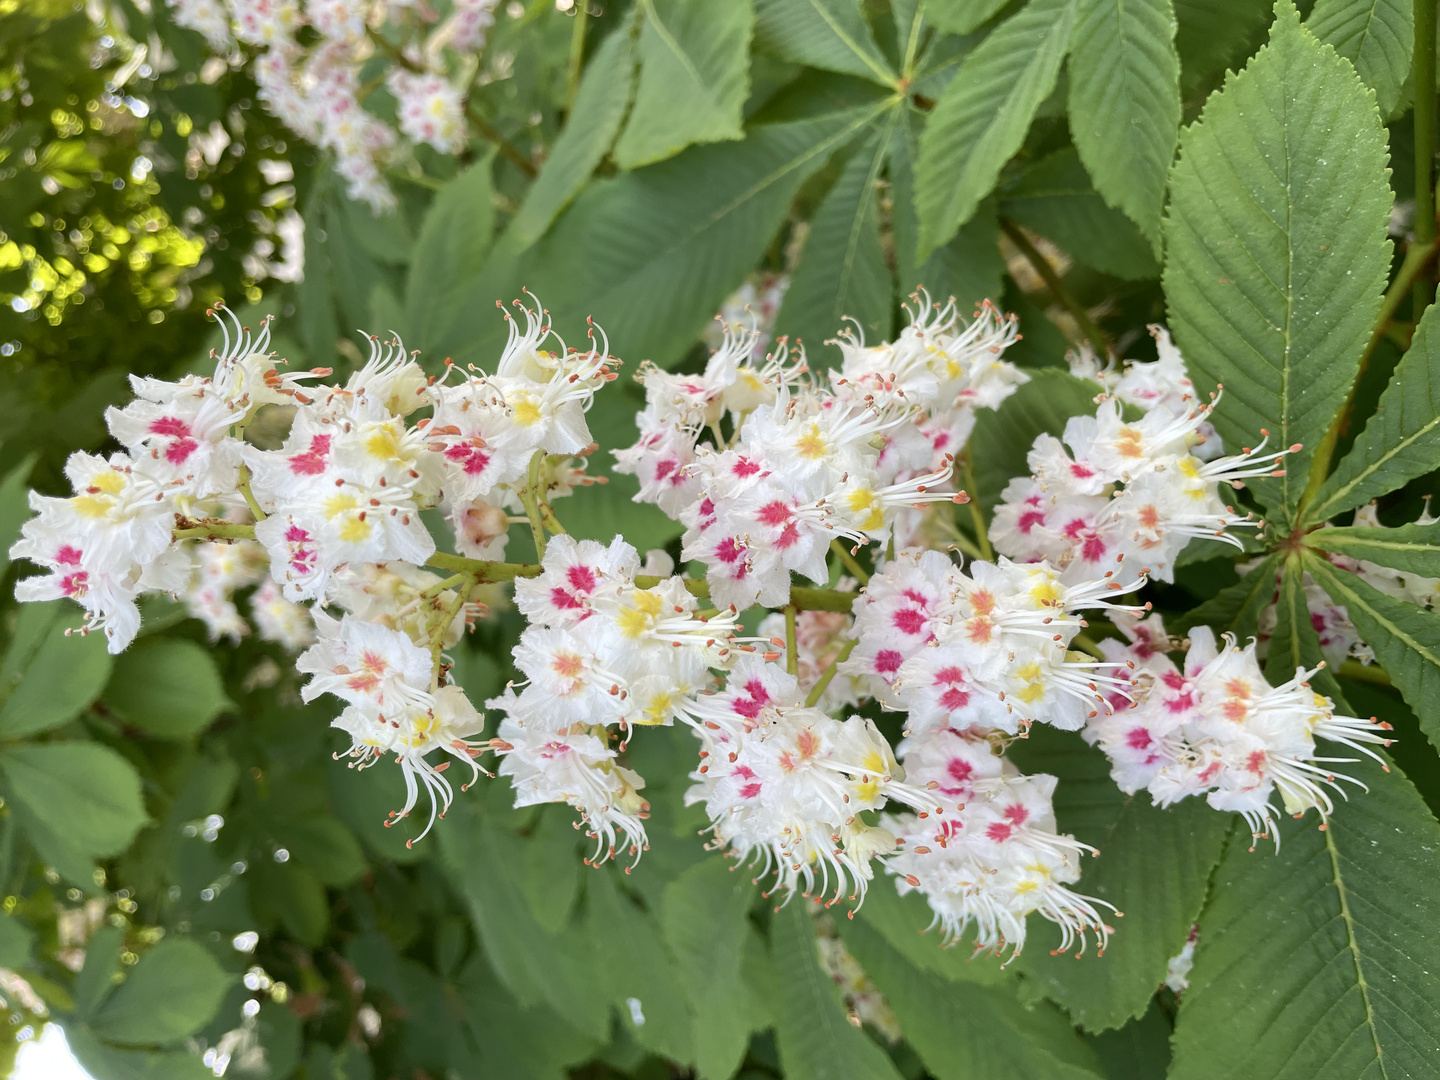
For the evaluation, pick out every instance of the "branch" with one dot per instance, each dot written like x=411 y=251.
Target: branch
x=509 y=149
x=1416 y=259
x=1056 y=287
x=802 y=598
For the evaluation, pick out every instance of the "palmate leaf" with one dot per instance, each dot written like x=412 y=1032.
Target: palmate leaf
x=842 y=270
x=453 y=242
x=589 y=131
x=961 y=16
x=1056 y=199
x=694 y=78
x=1125 y=102
x=983 y=115
x=1320 y=962
x=828 y=34
x=1295 y=644
x=1277 y=255
x=970 y=266
x=1402 y=440
x=653 y=254
x=815 y=1037
x=967 y=1031
x=1412 y=548
x=1377 y=36
x=1160 y=899
x=1236 y=608
x=1405 y=638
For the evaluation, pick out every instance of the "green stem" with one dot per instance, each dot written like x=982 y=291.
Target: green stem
x=1085 y=643
x=818 y=690
x=577 y=54
x=210 y=529
x=792 y=651
x=848 y=561
x=507 y=148
x=802 y=597
x=244 y=487
x=1415 y=260
x=977 y=515
x=530 y=499
x=1057 y=288
x=440 y=586
x=1425 y=102
x=1353 y=669
x=437 y=632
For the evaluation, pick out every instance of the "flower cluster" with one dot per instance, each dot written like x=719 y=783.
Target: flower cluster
x=308 y=61
x=336 y=517
x=808 y=463
x=601 y=655
x=1126 y=489
x=973 y=658
x=1216 y=727
x=772 y=471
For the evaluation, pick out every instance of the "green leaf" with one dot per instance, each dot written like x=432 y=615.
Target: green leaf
x=1277 y=255
x=827 y=34
x=484 y=860
x=1402 y=440
x=1377 y=36
x=1161 y=899
x=14 y=506
x=1320 y=962
x=1125 y=102
x=113 y=1063
x=100 y=971
x=906 y=923
x=168 y=688
x=983 y=115
x=965 y=1031
x=588 y=133
x=314 y=294
x=842 y=270
x=16 y=942
x=454 y=240
x=970 y=266
x=73 y=797
x=961 y=16
x=324 y=847
x=1413 y=548
x=1236 y=608
x=57 y=680
x=638 y=972
x=1295 y=642
x=1214 y=35
x=703 y=914
x=694 y=78
x=816 y=1039
x=552 y=870
x=1003 y=436
x=1055 y=198
x=654 y=253
x=172 y=992
x=1405 y=638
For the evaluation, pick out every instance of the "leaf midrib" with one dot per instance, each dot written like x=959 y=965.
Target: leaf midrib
x=1338 y=880
x=885 y=76
x=1371 y=468
x=857 y=223
x=668 y=39
x=1337 y=584
x=723 y=211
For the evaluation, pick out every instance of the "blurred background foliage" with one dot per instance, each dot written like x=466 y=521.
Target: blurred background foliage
x=175 y=814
